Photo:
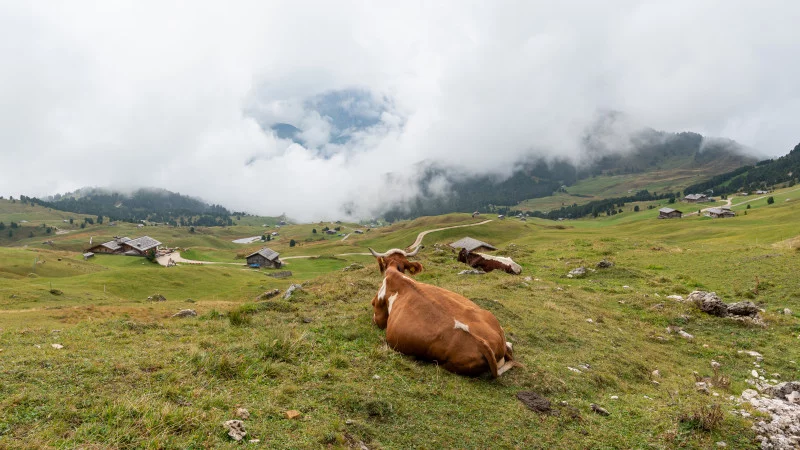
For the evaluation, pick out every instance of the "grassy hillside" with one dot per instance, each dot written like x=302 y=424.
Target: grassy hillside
x=611 y=186
x=130 y=376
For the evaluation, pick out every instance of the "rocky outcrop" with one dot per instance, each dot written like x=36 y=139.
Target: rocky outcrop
x=185 y=313
x=710 y=303
x=578 y=272
x=746 y=308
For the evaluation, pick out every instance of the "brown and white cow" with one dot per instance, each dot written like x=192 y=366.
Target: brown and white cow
x=488 y=263
x=434 y=324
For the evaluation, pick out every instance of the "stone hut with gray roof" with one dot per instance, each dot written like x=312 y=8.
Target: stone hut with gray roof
x=669 y=213
x=264 y=258
x=126 y=246
x=472 y=245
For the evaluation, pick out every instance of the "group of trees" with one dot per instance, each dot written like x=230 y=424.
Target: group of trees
x=143 y=205
x=766 y=173
x=609 y=206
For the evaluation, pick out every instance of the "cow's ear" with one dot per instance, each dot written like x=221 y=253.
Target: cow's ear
x=382 y=264
x=414 y=268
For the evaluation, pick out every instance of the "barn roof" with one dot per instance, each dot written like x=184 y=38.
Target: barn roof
x=115 y=244
x=720 y=211
x=143 y=243
x=266 y=253
x=668 y=210
x=471 y=244
x=695 y=196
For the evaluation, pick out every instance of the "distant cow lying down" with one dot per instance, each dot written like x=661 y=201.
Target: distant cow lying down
x=434 y=324
x=488 y=263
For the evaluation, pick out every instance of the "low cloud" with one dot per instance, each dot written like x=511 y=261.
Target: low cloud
x=186 y=97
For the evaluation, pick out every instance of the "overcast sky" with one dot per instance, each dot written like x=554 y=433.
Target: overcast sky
x=181 y=95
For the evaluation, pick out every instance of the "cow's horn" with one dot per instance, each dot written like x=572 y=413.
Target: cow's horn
x=414 y=253
x=376 y=254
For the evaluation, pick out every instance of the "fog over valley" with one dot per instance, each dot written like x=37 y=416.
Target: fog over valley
x=326 y=110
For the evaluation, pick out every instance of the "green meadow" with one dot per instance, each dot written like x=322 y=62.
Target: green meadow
x=131 y=376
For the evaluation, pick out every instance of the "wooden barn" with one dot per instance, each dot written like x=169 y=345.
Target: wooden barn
x=264 y=258
x=472 y=245
x=139 y=246
x=669 y=213
x=696 y=198
x=720 y=212
x=111 y=247
x=126 y=246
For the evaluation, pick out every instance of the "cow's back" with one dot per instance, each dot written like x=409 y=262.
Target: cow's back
x=433 y=323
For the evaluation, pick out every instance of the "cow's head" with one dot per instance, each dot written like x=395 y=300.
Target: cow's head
x=398 y=259
x=462 y=255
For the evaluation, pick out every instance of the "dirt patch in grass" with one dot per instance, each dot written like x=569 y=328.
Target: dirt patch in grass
x=535 y=402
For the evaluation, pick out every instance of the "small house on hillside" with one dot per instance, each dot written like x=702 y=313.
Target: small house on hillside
x=760 y=192
x=113 y=247
x=696 y=198
x=476 y=214
x=140 y=246
x=721 y=212
x=126 y=246
x=472 y=245
x=264 y=258
x=669 y=213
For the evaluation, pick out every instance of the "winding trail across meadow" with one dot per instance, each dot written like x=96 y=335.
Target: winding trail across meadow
x=418 y=242
x=176 y=256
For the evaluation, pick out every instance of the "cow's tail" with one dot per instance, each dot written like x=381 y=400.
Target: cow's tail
x=488 y=353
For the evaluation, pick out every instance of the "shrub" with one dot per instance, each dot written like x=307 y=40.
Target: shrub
x=705 y=418
x=239 y=317
x=292 y=243
x=770 y=200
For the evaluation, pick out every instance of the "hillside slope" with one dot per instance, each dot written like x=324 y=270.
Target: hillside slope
x=156 y=205
x=763 y=175
x=130 y=375
x=655 y=161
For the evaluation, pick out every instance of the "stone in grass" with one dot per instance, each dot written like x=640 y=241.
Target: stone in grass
x=578 y=272
x=291 y=290
x=354 y=266
x=269 y=294
x=685 y=335
x=157 y=298
x=185 y=313
x=292 y=414
x=745 y=308
x=599 y=410
x=472 y=272
x=535 y=402
x=235 y=429
x=55 y=292
x=604 y=264
x=57 y=346
x=709 y=302
x=242 y=413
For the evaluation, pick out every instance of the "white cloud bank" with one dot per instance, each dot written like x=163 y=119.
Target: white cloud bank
x=127 y=94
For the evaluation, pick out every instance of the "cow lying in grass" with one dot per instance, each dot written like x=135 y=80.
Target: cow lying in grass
x=434 y=324
x=488 y=263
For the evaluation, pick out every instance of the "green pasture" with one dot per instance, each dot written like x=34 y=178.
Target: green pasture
x=130 y=376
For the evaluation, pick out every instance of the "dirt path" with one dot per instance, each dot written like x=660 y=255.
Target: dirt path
x=425 y=233
x=176 y=256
